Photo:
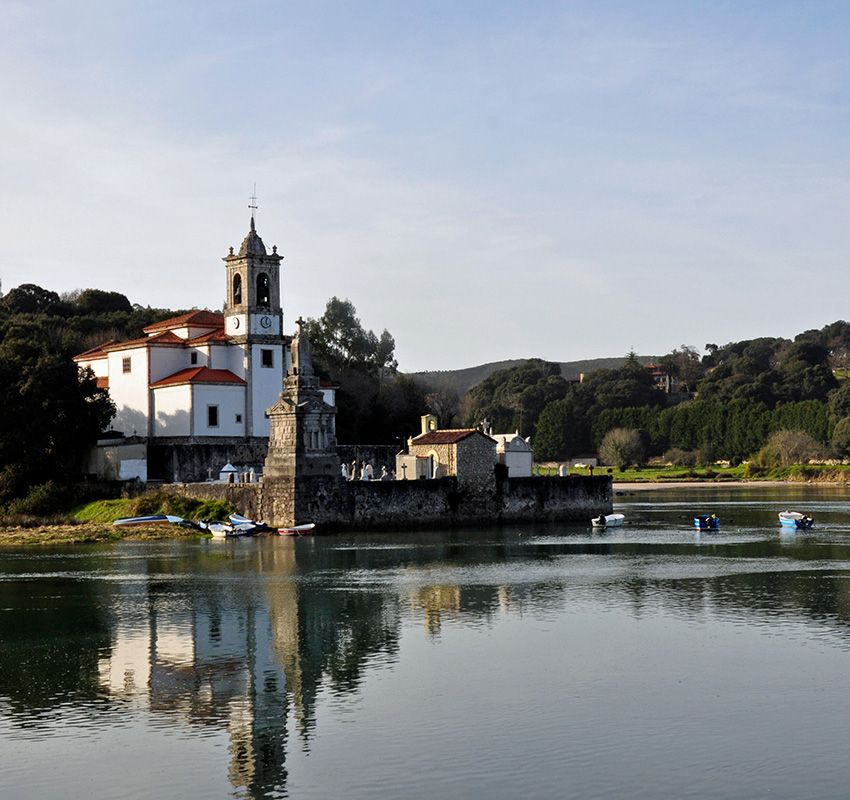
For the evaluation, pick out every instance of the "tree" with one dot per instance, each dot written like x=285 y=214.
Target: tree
x=841 y=437
x=684 y=364
x=96 y=301
x=513 y=398
x=621 y=447
x=553 y=433
x=785 y=448
x=28 y=298
x=839 y=402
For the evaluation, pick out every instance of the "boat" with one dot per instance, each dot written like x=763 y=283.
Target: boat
x=247 y=526
x=707 y=522
x=608 y=520
x=796 y=520
x=151 y=519
x=297 y=530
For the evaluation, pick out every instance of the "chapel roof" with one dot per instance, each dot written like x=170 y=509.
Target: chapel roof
x=194 y=319
x=198 y=375
x=449 y=436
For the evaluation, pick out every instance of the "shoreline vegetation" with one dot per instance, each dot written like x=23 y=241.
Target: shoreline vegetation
x=91 y=523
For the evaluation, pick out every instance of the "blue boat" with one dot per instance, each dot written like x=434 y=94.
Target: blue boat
x=796 y=520
x=707 y=522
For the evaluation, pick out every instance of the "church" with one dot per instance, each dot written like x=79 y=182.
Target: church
x=192 y=394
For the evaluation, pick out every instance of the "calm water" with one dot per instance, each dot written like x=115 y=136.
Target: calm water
x=647 y=662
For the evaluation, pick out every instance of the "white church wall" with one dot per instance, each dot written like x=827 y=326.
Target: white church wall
x=170 y=409
x=230 y=400
x=267 y=384
x=129 y=390
x=99 y=366
x=166 y=361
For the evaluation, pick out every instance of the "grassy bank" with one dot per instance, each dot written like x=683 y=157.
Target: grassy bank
x=92 y=522
x=796 y=473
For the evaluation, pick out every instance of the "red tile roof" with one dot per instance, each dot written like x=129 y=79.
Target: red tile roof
x=95 y=352
x=199 y=375
x=217 y=335
x=195 y=319
x=449 y=436
x=166 y=338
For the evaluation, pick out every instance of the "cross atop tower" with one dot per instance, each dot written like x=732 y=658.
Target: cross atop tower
x=253 y=204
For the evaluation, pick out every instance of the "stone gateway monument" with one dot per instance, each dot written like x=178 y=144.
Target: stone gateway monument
x=301 y=480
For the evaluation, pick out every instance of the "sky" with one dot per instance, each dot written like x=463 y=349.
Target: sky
x=486 y=180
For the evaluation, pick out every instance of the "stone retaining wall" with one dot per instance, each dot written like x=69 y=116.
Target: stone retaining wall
x=399 y=505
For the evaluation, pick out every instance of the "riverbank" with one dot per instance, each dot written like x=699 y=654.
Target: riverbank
x=644 y=486
x=88 y=533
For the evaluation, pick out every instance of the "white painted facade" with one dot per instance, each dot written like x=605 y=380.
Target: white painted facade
x=515 y=453
x=164 y=385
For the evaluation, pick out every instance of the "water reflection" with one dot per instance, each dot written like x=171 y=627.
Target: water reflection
x=241 y=640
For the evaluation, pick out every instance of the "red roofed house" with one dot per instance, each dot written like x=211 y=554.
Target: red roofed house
x=466 y=453
x=204 y=377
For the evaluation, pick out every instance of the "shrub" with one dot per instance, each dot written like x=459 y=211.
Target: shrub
x=179 y=506
x=735 y=461
x=784 y=448
x=622 y=447
x=677 y=457
x=42 y=500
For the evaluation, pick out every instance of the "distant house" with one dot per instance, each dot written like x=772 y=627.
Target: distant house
x=662 y=379
x=515 y=453
x=466 y=453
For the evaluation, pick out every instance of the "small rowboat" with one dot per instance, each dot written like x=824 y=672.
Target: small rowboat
x=153 y=519
x=608 y=520
x=796 y=520
x=298 y=530
x=707 y=522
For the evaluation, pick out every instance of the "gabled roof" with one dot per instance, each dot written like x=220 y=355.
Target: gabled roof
x=164 y=338
x=217 y=335
x=451 y=436
x=95 y=352
x=199 y=375
x=194 y=319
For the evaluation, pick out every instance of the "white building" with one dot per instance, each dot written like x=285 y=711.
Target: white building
x=515 y=453
x=204 y=377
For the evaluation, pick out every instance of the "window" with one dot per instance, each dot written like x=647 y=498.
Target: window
x=212 y=416
x=237 y=289
x=238 y=418
x=263 y=293
x=127 y=365
x=267 y=358
x=193 y=358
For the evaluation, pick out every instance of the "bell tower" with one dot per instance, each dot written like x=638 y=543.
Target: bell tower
x=253 y=311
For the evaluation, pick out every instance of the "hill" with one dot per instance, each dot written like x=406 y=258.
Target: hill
x=461 y=381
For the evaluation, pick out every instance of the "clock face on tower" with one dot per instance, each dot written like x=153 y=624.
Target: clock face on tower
x=266 y=322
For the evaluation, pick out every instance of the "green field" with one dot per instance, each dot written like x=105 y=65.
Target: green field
x=744 y=472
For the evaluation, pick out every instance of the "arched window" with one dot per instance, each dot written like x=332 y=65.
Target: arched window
x=263 y=290
x=237 y=289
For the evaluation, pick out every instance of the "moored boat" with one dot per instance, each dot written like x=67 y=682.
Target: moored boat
x=151 y=519
x=707 y=522
x=608 y=520
x=796 y=520
x=297 y=530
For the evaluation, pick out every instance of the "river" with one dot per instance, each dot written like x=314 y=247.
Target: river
x=650 y=661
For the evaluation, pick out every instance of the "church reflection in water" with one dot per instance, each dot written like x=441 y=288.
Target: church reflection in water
x=245 y=656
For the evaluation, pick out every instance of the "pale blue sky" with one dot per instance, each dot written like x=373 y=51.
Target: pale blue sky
x=487 y=180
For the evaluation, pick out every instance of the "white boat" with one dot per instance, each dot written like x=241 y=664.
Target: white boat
x=608 y=521
x=297 y=530
x=794 y=519
x=152 y=519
